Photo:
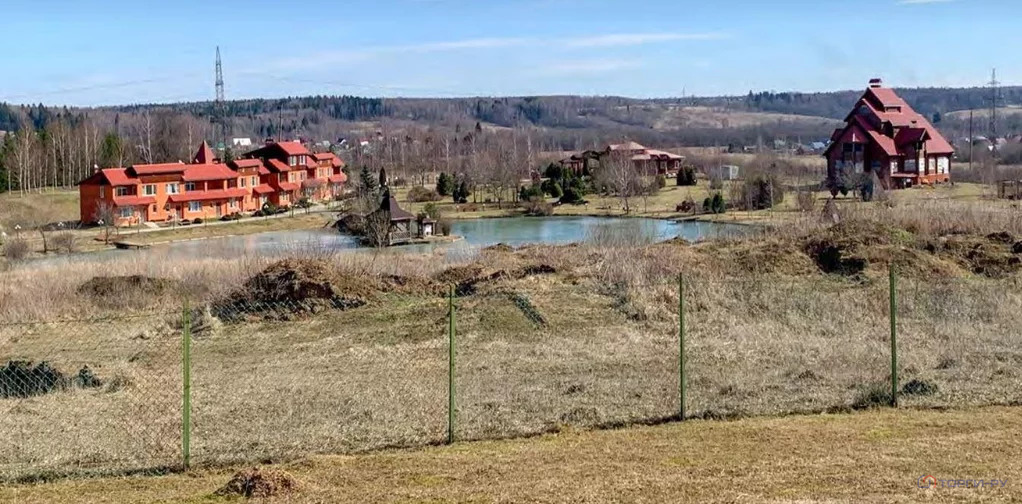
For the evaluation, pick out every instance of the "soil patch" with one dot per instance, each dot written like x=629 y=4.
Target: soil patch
x=133 y=286
x=259 y=483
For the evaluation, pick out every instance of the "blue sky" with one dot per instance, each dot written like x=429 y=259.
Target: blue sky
x=115 y=52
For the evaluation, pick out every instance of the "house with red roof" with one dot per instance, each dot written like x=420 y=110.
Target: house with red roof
x=645 y=160
x=885 y=138
x=208 y=189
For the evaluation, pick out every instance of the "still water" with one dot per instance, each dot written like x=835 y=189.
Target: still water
x=477 y=233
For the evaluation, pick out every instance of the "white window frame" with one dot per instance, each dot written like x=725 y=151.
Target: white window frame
x=292 y=160
x=243 y=182
x=149 y=189
x=189 y=186
x=233 y=203
x=102 y=192
x=121 y=191
x=125 y=212
x=194 y=206
x=173 y=188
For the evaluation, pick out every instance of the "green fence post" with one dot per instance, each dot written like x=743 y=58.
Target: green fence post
x=450 y=366
x=681 y=346
x=894 y=336
x=186 y=404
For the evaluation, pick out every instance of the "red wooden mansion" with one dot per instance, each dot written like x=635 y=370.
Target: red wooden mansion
x=884 y=137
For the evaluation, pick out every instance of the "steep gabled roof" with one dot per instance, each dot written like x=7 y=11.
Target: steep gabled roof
x=204 y=155
x=886 y=106
x=293 y=148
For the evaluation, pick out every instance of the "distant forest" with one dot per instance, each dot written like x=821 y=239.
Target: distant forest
x=67 y=142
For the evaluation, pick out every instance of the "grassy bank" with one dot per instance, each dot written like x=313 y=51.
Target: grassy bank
x=867 y=457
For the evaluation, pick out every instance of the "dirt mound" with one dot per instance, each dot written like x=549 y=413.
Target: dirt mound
x=131 y=285
x=992 y=256
x=848 y=247
x=259 y=483
x=297 y=286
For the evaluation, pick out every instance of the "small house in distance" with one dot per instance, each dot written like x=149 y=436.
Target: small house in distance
x=646 y=160
x=885 y=138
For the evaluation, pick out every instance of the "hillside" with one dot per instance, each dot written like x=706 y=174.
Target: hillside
x=562 y=121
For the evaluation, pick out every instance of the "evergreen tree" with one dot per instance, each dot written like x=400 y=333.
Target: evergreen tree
x=445 y=184
x=111 y=152
x=367 y=182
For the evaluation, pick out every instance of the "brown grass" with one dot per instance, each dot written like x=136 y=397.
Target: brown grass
x=874 y=457
x=767 y=334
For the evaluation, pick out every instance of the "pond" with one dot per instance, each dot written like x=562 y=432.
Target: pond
x=477 y=233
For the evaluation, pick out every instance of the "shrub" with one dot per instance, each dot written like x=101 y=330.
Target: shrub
x=461 y=193
x=197 y=220
x=919 y=388
x=525 y=193
x=572 y=196
x=874 y=395
x=687 y=205
x=687 y=176
x=444 y=226
x=661 y=182
x=717 y=204
x=538 y=207
x=554 y=171
x=707 y=205
x=16 y=249
x=422 y=194
x=716 y=183
x=65 y=241
x=806 y=201
x=552 y=188
x=432 y=210
x=760 y=192
x=304 y=203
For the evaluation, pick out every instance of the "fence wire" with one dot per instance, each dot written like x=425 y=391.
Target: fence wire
x=275 y=381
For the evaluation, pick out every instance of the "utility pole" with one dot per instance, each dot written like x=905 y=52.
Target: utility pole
x=220 y=107
x=993 y=107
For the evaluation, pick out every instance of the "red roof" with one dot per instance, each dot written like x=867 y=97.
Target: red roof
x=339 y=178
x=263 y=189
x=883 y=105
x=264 y=170
x=293 y=148
x=208 y=195
x=248 y=163
x=200 y=172
x=123 y=201
x=203 y=155
x=329 y=156
x=278 y=165
x=158 y=169
x=111 y=176
x=289 y=186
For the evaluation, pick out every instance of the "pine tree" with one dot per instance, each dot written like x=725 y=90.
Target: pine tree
x=367 y=182
x=445 y=184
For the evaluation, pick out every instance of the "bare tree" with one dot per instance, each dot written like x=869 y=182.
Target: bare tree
x=618 y=174
x=105 y=216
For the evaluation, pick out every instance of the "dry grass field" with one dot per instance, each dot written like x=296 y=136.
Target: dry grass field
x=583 y=335
x=874 y=457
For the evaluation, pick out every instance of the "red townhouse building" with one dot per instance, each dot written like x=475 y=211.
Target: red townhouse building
x=208 y=189
x=885 y=137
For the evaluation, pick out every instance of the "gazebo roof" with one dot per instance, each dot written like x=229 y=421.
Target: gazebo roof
x=397 y=214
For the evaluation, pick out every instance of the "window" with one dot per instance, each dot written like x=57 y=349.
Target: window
x=102 y=192
x=149 y=190
x=255 y=182
x=120 y=191
x=262 y=200
x=233 y=203
x=194 y=206
x=173 y=188
x=189 y=186
x=125 y=212
x=282 y=177
x=292 y=160
x=301 y=160
x=243 y=181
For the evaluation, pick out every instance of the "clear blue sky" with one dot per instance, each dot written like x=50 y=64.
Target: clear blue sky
x=115 y=52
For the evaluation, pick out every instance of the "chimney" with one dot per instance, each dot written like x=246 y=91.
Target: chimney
x=876 y=83
x=269 y=141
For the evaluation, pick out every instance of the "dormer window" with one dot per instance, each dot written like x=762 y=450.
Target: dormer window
x=292 y=160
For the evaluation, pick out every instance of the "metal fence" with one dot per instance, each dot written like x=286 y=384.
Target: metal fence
x=249 y=382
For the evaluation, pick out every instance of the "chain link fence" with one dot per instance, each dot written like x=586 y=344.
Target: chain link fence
x=275 y=381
